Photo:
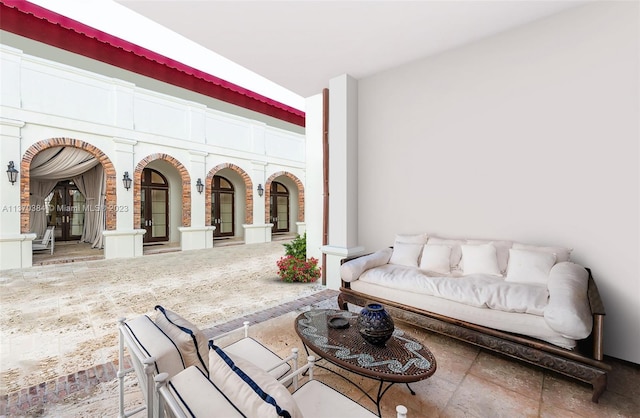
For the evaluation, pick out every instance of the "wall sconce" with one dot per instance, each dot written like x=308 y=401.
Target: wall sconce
x=260 y=190
x=199 y=186
x=126 y=180
x=12 y=173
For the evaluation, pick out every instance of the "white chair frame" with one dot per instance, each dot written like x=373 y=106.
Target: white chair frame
x=145 y=370
x=47 y=238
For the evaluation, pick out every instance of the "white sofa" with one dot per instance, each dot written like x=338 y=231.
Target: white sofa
x=529 y=302
x=183 y=374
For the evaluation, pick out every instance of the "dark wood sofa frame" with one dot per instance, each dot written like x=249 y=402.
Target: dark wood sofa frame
x=584 y=363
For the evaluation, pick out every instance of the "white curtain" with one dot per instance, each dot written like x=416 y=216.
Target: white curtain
x=40 y=189
x=60 y=163
x=92 y=186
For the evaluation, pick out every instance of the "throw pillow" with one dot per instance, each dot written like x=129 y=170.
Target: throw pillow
x=252 y=390
x=190 y=341
x=529 y=266
x=436 y=258
x=405 y=254
x=480 y=259
x=502 y=251
x=562 y=253
x=456 y=252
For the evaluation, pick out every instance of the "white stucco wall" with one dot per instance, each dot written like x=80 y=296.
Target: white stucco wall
x=43 y=99
x=530 y=135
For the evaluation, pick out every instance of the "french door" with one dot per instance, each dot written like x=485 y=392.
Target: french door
x=66 y=211
x=222 y=207
x=154 y=206
x=279 y=207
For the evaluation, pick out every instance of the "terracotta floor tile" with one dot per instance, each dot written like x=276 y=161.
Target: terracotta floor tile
x=481 y=398
x=513 y=375
x=570 y=395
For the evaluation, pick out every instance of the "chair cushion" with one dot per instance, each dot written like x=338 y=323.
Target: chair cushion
x=198 y=396
x=254 y=392
x=259 y=355
x=319 y=400
x=155 y=343
x=187 y=337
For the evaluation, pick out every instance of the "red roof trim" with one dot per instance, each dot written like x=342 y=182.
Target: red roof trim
x=35 y=22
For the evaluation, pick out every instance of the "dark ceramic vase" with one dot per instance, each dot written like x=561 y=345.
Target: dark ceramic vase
x=375 y=324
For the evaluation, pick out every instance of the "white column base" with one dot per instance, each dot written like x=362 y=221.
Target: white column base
x=196 y=238
x=123 y=243
x=332 y=266
x=257 y=234
x=16 y=251
x=301 y=228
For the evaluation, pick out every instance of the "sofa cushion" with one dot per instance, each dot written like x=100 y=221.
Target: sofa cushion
x=352 y=269
x=562 y=253
x=436 y=258
x=529 y=266
x=480 y=259
x=252 y=390
x=187 y=337
x=405 y=254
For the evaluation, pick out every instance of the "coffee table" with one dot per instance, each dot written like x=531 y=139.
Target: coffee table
x=401 y=360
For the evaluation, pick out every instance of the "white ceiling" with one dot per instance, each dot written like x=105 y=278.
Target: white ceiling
x=300 y=45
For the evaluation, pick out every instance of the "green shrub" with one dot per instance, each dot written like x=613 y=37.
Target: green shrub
x=297 y=247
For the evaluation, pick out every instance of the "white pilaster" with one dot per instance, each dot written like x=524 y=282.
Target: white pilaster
x=343 y=175
x=15 y=247
x=314 y=193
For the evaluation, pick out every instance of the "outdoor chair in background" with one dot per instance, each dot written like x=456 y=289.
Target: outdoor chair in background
x=47 y=242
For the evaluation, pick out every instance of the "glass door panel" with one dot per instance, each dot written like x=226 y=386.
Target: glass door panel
x=222 y=207
x=76 y=215
x=282 y=204
x=159 y=213
x=226 y=213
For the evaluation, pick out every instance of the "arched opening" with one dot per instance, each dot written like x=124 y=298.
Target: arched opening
x=179 y=191
x=71 y=186
x=275 y=202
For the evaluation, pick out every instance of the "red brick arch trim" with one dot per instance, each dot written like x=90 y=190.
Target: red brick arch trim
x=186 y=187
x=107 y=165
x=248 y=211
x=267 y=192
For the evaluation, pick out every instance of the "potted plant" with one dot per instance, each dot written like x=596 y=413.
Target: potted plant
x=294 y=266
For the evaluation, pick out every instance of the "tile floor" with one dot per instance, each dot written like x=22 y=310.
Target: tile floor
x=470 y=382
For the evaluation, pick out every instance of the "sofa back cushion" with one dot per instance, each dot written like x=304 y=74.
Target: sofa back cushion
x=562 y=253
x=252 y=390
x=187 y=337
